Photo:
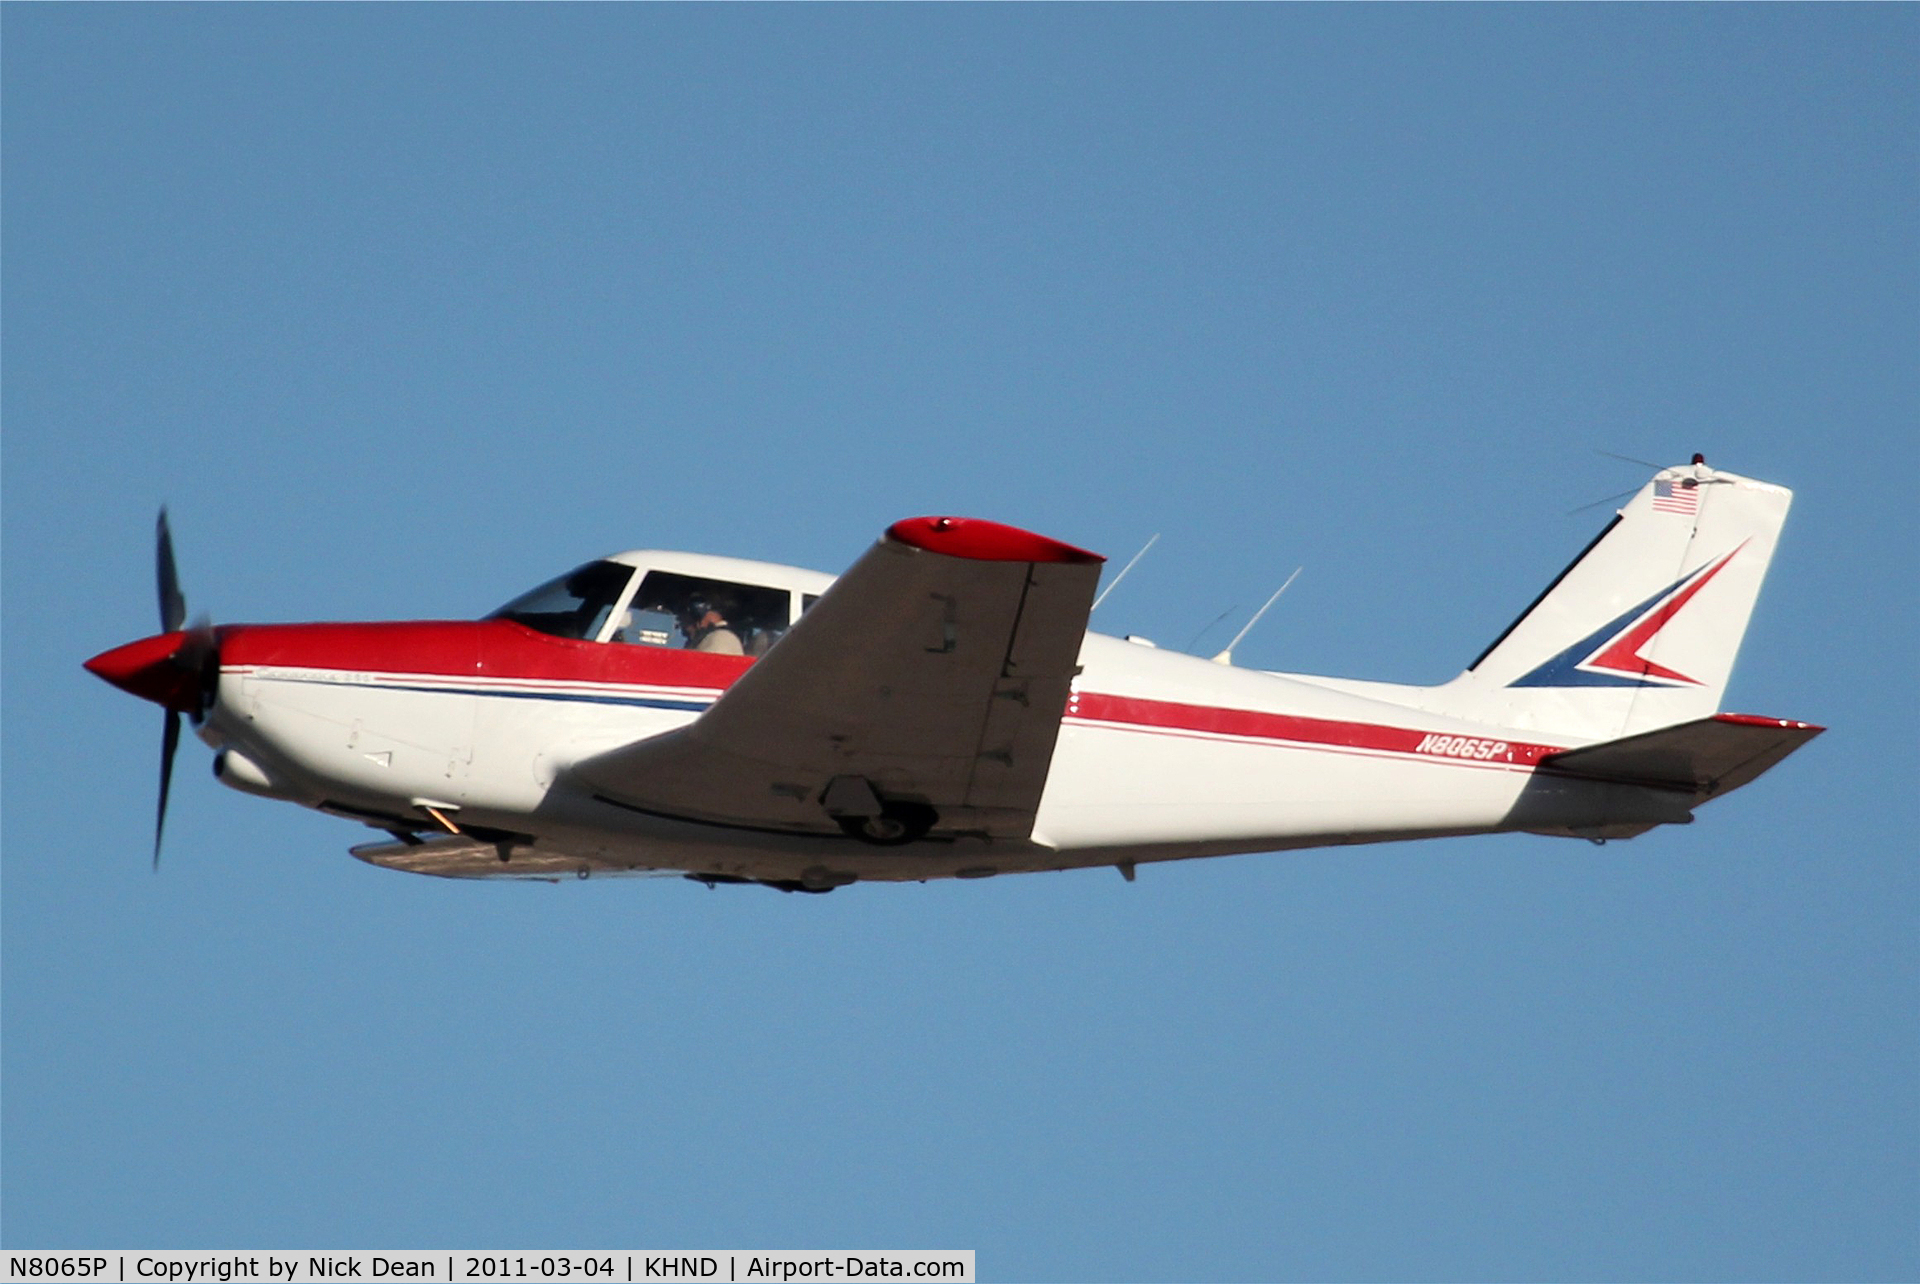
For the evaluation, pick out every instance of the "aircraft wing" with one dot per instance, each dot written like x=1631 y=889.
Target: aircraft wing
x=1706 y=757
x=925 y=686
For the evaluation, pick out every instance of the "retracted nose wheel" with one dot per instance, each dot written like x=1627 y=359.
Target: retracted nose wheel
x=897 y=823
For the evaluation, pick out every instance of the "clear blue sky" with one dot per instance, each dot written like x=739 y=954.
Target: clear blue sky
x=403 y=309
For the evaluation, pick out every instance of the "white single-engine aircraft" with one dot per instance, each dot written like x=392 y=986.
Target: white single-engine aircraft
x=940 y=711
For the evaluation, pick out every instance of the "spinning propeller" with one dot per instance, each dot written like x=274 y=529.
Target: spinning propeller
x=178 y=668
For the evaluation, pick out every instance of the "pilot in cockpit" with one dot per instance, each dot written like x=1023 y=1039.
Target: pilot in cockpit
x=703 y=622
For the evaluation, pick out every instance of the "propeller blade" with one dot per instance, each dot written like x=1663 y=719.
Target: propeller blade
x=169 y=741
x=156 y=674
x=173 y=607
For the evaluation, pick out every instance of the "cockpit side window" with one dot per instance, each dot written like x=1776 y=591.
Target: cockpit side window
x=703 y=614
x=575 y=605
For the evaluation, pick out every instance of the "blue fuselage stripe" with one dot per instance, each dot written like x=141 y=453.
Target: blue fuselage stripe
x=569 y=697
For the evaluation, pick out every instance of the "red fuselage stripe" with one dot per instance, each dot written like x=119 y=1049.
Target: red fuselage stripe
x=1130 y=711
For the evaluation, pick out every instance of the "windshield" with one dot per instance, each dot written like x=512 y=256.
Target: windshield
x=575 y=605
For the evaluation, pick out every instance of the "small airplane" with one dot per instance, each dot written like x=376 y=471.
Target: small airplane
x=941 y=711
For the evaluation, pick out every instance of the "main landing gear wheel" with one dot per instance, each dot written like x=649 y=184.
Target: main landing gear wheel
x=898 y=823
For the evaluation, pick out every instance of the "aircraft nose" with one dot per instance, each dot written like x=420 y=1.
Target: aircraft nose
x=153 y=669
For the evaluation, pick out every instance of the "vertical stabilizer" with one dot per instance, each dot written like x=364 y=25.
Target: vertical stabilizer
x=1642 y=629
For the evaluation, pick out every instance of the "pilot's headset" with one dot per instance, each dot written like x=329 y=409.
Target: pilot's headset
x=694 y=610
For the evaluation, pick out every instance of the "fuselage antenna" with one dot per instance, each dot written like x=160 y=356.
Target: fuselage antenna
x=1226 y=656
x=1123 y=573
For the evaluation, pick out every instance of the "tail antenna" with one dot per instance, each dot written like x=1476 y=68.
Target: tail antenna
x=1226 y=656
x=1629 y=459
x=1123 y=573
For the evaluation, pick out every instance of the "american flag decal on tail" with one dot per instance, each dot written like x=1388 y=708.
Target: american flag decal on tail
x=1676 y=497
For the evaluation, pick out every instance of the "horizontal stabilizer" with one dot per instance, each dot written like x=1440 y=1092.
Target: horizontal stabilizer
x=1705 y=758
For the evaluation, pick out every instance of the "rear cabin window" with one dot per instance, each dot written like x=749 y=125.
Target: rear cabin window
x=671 y=609
x=575 y=605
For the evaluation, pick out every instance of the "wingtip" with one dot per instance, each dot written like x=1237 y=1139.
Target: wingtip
x=984 y=541
x=1756 y=720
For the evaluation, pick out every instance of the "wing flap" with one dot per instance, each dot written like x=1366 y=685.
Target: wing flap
x=934 y=672
x=460 y=856
x=1706 y=757
x=463 y=856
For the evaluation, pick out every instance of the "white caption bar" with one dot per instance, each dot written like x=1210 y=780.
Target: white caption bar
x=624 y=1266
